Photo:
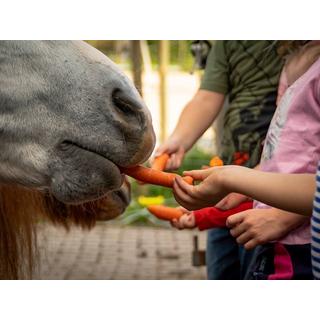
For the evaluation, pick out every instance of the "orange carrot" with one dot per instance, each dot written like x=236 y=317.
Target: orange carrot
x=216 y=162
x=188 y=179
x=152 y=176
x=165 y=213
x=160 y=162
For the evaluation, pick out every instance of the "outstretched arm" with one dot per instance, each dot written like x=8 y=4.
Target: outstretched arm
x=290 y=192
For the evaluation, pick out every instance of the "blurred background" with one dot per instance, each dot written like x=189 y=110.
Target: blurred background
x=137 y=245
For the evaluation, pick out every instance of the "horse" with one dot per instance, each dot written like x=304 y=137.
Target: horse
x=69 y=118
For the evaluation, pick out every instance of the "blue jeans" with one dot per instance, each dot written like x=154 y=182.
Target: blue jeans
x=226 y=260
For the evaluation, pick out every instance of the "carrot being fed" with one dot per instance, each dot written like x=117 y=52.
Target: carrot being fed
x=159 y=163
x=152 y=176
x=165 y=213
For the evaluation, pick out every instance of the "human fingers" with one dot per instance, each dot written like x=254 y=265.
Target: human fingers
x=176 y=224
x=175 y=159
x=251 y=244
x=197 y=196
x=173 y=163
x=184 y=199
x=234 y=220
x=238 y=230
x=189 y=189
x=231 y=201
x=181 y=196
x=185 y=221
x=198 y=174
x=244 y=237
x=222 y=204
x=164 y=148
x=190 y=220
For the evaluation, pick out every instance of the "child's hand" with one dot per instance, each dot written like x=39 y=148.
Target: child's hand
x=206 y=194
x=187 y=220
x=258 y=226
x=231 y=201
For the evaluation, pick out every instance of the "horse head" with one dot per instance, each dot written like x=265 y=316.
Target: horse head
x=68 y=118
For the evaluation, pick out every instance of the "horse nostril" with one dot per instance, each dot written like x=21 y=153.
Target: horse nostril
x=125 y=104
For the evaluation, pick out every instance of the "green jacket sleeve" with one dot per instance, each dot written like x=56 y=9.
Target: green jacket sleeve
x=216 y=75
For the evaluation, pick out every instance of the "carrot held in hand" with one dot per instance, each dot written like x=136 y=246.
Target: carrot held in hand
x=188 y=180
x=216 y=162
x=165 y=213
x=152 y=176
x=160 y=162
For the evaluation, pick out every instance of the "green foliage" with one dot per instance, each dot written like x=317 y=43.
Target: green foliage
x=180 y=54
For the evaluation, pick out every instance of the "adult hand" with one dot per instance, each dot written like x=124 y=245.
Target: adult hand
x=258 y=226
x=176 y=152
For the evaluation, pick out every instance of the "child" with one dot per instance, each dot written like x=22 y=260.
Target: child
x=290 y=147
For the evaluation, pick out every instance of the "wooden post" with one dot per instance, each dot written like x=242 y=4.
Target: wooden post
x=136 y=64
x=146 y=57
x=164 y=54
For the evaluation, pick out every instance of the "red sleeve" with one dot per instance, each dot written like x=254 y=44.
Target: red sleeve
x=212 y=217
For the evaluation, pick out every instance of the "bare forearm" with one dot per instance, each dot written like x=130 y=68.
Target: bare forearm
x=196 y=117
x=290 y=192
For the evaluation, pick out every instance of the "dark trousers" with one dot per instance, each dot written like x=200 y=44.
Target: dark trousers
x=226 y=260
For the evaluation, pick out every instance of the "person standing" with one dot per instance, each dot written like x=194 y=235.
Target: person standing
x=247 y=72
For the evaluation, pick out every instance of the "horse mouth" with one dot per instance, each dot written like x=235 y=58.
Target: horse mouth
x=67 y=144
x=122 y=196
x=115 y=203
x=82 y=174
